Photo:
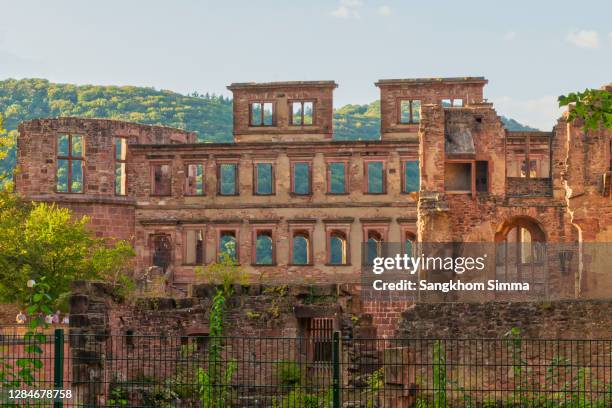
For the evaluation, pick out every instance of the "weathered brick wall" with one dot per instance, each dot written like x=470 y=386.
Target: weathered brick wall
x=172 y=215
x=281 y=94
x=428 y=91
x=111 y=215
x=563 y=319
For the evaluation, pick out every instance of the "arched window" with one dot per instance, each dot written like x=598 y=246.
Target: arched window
x=373 y=246
x=520 y=252
x=228 y=245
x=301 y=249
x=409 y=241
x=337 y=248
x=264 y=250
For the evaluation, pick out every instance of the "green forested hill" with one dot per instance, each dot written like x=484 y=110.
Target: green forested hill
x=208 y=115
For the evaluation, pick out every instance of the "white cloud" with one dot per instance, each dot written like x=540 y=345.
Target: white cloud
x=510 y=35
x=384 y=11
x=541 y=113
x=583 y=38
x=347 y=9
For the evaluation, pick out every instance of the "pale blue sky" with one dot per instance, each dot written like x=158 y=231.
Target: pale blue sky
x=531 y=51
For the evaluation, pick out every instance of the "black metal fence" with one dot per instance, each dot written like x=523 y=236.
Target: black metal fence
x=161 y=371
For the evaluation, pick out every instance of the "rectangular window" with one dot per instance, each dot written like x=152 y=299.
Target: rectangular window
x=458 y=177
x=194 y=247
x=194 y=179
x=411 y=176
x=120 y=165
x=482 y=176
x=162 y=179
x=447 y=103
x=264 y=179
x=409 y=111
x=302 y=113
x=69 y=172
x=336 y=178
x=301 y=178
x=375 y=177
x=227 y=175
x=262 y=114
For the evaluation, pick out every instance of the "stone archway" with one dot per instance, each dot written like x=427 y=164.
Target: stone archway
x=520 y=253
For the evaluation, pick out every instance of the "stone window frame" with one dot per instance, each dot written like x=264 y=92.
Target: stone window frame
x=366 y=180
x=292 y=162
x=201 y=228
x=219 y=230
x=398 y=110
x=472 y=164
x=306 y=228
x=152 y=165
x=403 y=160
x=451 y=102
x=334 y=159
x=272 y=162
x=186 y=165
x=407 y=229
x=290 y=103
x=381 y=228
x=270 y=228
x=218 y=164
x=70 y=158
x=120 y=161
x=344 y=228
x=151 y=244
x=262 y=102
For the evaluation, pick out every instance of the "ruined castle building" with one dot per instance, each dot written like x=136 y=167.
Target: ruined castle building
x=292 y=204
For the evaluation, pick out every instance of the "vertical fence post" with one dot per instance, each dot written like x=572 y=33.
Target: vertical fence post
x=336 y=369
x=58 y=366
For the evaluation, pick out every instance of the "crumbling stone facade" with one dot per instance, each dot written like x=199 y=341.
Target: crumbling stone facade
x=444 y=170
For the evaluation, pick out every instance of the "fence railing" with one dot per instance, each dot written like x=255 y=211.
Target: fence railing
x=101 y=370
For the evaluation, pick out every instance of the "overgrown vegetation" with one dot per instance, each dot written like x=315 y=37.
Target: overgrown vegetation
x=593 y=107
x=49 y=244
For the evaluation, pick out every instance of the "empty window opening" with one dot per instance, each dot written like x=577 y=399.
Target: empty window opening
x=409 y=111
x=69 y=173
x=452 y=103
x=228 y=246
x=194 y=179
x=482 y=176
x=375 y=177
x=301 y=178
x=264 y=251
x=302 y=113
x=337 y=248
x=194 y=247
x=337 y=178
x=120 y=166
x=264 y=179
x=262 y=114
x=228 y=173
x=458 y=177
x=301 y=248
x=528 y=157
x=411 y=176
x=162 y=251
x=162 y=179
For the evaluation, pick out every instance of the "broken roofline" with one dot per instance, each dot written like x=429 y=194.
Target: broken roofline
x=327 y=84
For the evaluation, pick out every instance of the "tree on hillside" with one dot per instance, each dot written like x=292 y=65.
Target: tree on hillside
x=7 y=155
x=45 y=243
x=593 y=107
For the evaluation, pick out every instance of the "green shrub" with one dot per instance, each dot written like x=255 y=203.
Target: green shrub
x=289 y=373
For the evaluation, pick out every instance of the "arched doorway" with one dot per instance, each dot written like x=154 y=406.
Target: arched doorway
x=520 y=253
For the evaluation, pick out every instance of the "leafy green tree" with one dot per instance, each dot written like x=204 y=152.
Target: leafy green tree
x=43 y=242
x=593 y=107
